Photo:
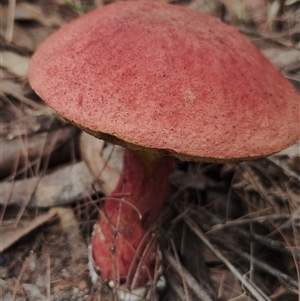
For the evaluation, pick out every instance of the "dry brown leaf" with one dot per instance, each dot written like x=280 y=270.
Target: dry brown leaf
x=13 y=88
x=274 y=8
x=28 y=12
x=20 y=151
x=11 y=235
x=98 y=3
x=10 y=85
x=209 y=7
x=24 y=117
x=208 y=256
x=15 y=63
x=29 y=40
x=225 y=284
x=114 y=154
x=282 y=293
x=61 y=187
x=242 y=297
x=106 y=176
x=291 y=152
x=282 y=58
x=247 y=10
x=290 y=2
x=24 y=38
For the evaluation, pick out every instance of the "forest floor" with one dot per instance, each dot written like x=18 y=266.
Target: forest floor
x=230 y=232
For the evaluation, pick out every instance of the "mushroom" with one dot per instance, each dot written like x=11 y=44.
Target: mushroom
x=163 y=81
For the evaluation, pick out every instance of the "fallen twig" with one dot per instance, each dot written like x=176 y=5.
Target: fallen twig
x=196 y=287
x=263 y=266
x=247 y=283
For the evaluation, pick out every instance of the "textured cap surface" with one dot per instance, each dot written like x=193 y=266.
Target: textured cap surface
x=167 y=78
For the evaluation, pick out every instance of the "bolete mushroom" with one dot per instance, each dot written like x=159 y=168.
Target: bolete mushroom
x=163 y=81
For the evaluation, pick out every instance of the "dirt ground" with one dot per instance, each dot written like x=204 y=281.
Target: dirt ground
x=230 y=232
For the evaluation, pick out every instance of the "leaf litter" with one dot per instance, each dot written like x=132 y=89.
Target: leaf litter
x=230 y=232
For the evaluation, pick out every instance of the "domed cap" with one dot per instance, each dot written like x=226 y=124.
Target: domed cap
x=169 y=79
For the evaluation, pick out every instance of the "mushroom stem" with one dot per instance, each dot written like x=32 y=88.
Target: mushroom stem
x=123 y=246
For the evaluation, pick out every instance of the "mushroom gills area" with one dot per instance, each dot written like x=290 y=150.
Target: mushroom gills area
x=124 y=248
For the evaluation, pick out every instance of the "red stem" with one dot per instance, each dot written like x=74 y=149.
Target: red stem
x=118 y=247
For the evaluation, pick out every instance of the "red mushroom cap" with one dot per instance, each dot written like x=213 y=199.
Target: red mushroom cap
x=173 y=80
